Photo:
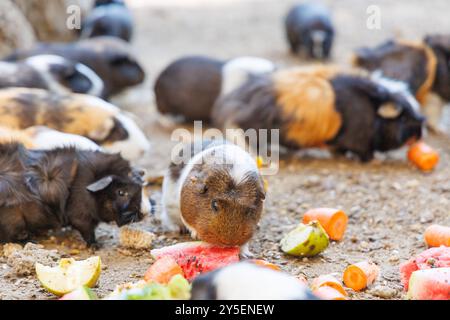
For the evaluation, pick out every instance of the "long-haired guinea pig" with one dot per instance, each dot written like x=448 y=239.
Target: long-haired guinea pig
x=309 y=30
x=42 y=190
x=248 y=281
x=40 y=137
x=108 y=18
x=110 y=58
x=189 y=86
x=319 y=106
x=50 y=72
x=74 y=113
x=423 y=65
x=217 y=194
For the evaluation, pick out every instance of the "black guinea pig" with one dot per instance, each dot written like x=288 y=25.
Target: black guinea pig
x=247 y=281
x=108 y=18
x=190 y=85
x=50 y=72
x=323 y=106
x=110 y=58
x=309 y=28
x=42 y=190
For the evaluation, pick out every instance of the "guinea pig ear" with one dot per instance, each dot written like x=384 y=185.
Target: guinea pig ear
x=101 y=184
x=389 y=111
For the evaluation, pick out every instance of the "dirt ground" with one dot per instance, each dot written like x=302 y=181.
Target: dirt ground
x=389 y=202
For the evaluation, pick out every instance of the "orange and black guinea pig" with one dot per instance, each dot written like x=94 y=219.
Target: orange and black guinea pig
x=189 y=86
x=325 y=106
x=423 y=65
x=109 y=57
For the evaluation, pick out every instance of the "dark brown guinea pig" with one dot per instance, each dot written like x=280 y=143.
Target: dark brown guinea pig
x=42 y=190
x=215 y=191
x=109 y=57
x=324 y=106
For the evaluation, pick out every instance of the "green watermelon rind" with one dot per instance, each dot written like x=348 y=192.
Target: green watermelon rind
x=429 y=284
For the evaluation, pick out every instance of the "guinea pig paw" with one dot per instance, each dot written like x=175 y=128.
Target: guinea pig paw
x=245 y=252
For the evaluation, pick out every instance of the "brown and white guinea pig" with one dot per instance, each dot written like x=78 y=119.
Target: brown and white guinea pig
x=309 y=30
x=108 y=18
x=323 y=106
x=190 y=85
x=217 y=194
x=247 y=281
x=109 y=57
x=50 y=72
x=40 y=137
x=42 y=190
x=423 y=65
x=79 y=114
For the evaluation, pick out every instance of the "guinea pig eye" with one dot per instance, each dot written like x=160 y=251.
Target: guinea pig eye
x=122 y=193
x=214 y=206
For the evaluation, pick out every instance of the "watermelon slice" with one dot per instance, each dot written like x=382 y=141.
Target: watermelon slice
x=430 y=284
x=82 y=293
x=197 y=257
x=431 y=258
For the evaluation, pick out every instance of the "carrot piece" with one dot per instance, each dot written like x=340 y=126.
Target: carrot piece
x=329 y=293
x=266 y=264
x=437 y=235
x=163 y=270
x=332 y=220
x=360 y=275
x=328 y=280
x=423 y=156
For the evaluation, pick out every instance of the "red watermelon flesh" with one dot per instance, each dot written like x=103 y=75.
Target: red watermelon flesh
x=197 y=257
x=430 y=284
x=431 y=258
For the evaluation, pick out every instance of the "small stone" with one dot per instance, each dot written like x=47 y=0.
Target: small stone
x=383 y=292
x=305 y=259
x=10 y=248
x=394 y=259
x=415 y=227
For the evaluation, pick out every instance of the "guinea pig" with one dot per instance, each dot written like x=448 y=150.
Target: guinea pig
x=309 y=30
x=50 y=72
x=40 y=137
x=109 y=57
x=216 y=192
x=324 y=106
x=247 y=281
x=190 y=86
x=108 y=18
x=78 y=114
x=42 y=190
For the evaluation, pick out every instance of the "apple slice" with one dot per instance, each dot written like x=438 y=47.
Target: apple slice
x=306 y=240
x=69 y=275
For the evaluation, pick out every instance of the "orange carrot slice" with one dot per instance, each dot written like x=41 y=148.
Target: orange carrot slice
x=328 y=280
x=360 y=275
x=329 y=293
x=266 y=264
x=332 y=220
x=437 y=235
x=423 y=156
x=163 y=270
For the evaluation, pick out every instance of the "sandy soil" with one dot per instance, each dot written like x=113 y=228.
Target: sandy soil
x=389 y=202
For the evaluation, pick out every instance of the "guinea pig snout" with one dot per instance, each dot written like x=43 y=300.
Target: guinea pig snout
x=129 y=217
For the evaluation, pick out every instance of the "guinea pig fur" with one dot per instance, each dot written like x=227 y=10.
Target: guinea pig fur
x=42 y=190
x=217 y=195
x=109 y=57
x=40 y=137
x=108 y=18
x=50 y=72
x=309 y=30
x=323 y=106
x=247 y=281
x=78 y=114
x=190 y=86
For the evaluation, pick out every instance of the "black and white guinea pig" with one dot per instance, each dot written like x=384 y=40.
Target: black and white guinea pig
x=309 y=29
x=247 y=281
x=50 y=72
x=75 y=113
x=323 y=106
x=108 y=18
x=216 y=192
x=190 y=85
x=109 y=57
